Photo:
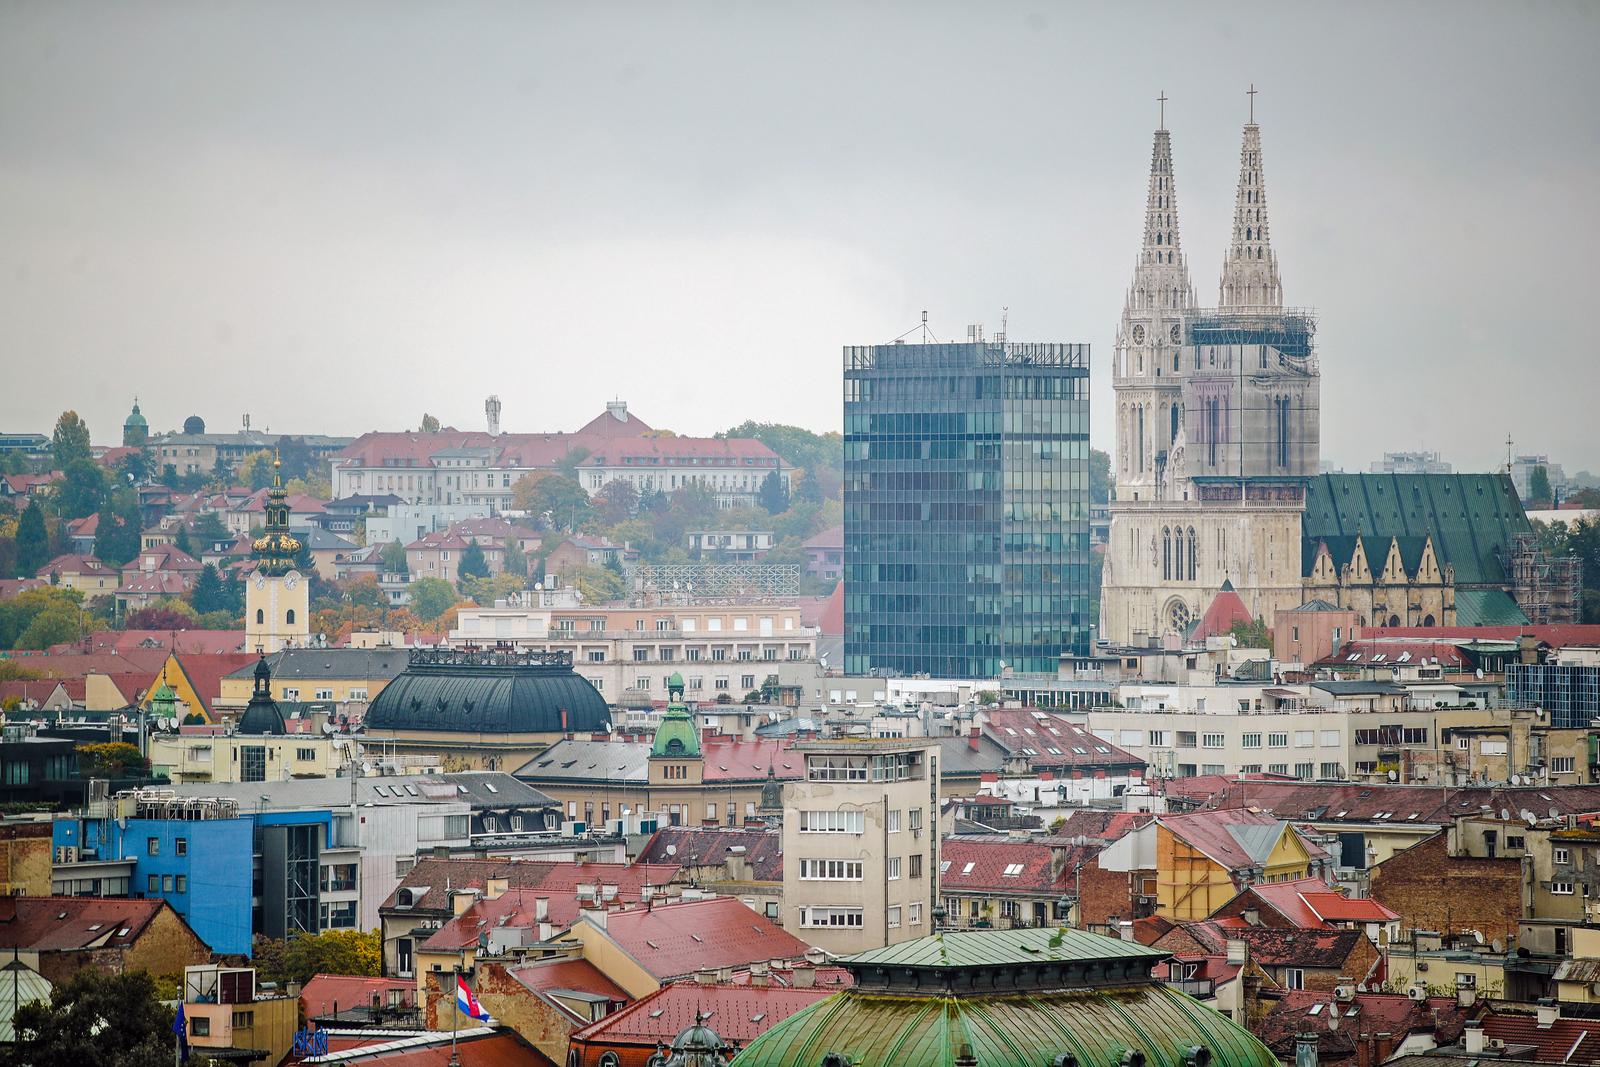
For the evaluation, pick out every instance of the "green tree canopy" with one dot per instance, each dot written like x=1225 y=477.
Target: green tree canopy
x=554 y=497
x=18 y=615
x=83 y=488
x=350 y=952
x=1099 y=476
x=429 y=423
x=1539 y=485
x=472 y=563
x=207 y=594
x=111 y=759
x=33 y=540
x=617 y=501
x=772 y=496
x=599 y=585
x=255 y=470
x=432 y=597
x=209 y=527
x=70 y=441
x=116 y=539
x=96 y=1019
x=394 y=558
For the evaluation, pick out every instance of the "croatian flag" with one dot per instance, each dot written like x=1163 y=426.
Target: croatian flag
x=466 y=1003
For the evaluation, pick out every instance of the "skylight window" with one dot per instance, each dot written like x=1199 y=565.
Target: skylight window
x=1012 y=870
x=490 y=787
x=968 y=868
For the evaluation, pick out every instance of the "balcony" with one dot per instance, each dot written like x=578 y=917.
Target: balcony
x=1195 y=987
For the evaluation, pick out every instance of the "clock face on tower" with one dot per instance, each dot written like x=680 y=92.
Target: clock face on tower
x=1176 y=333
x=291 y=581
x=1138 y=334
x=261 y=582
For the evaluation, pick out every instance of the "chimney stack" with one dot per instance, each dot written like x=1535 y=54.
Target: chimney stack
x=1238 y=952
x=1472 y=1039
x=1549 y=1012
x=1252 y=916
x=706 y=976
x=973 y=738
x=1305 y=1050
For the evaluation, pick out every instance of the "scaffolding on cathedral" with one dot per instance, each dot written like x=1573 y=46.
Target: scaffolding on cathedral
x=698 y=583
x=1548 y=589
x=1292 y=331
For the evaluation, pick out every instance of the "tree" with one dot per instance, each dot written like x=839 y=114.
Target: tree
x=209 y=528
x=294 y=457
x=55 y=625
x=255 y=470
x=616 y=502
x=472 y=563
x=70 y=441
x=83 y=488
x=364 y=592
x=181 y=542
x=207 y=594
x=429 y=423
x=33 y=541
x=166 y=615
x=513 y=560
x=1251 y=634
x=1539 y=485
x=599 y=585
x=95 y=1019
x=394 y=558
x=432 y=597
x=555 y=497
x=116 y=539
x=772 y=496
x=111 y=759
x=348 y=952
x=1099 y=476
x=18 y=615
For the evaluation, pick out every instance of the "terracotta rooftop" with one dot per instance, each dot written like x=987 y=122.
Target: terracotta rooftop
x=736 y=1012
x=528 y=880
x=1234 y=837
x=1567 y=1040
x=65 y=924
x=1338 y=1023
x=1272 y=946
x=676 y=940
x=975 y=863
x=709 y=846
x=325 y=993
x=1222 y=614
x=579 y=974
x=1049 y=739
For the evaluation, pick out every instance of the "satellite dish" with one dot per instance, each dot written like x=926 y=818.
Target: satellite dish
x=327 y=729
x=1505 y=814
x=1529 y=817
x=1479 y=674
x=1554 y=814
x=1394 y=776
x=672 y=850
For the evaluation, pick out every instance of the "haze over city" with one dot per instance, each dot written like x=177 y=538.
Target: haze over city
x=341 y=220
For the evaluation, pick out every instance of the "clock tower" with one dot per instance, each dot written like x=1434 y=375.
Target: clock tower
x=277 y=603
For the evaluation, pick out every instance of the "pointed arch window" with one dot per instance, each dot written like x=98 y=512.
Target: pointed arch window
x=1193 y=541
x=261 y=617
x=1166 y=554
x=1172 y=432
x=1177 y=554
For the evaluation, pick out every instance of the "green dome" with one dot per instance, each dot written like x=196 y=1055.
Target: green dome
x=164 y=702
x=1008 y=997
x=676 y=736
x=134 y=418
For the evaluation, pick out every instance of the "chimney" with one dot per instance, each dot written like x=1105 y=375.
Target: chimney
x=1385 y=1045
x=705 y=976
x=1549 y=1012
x=1252 y=916
x=1466 y=993
x=815 y=956
x=804 y=976
x=496 y=887
x=972 y=738
x=1305 y=1050
x=541 y=909
x=1472 y=1039
x=759 y=975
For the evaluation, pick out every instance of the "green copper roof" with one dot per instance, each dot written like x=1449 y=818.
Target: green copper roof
x=1023 y=1029
x=1471 y=518
x=1002 y=948
x=134 y=418
x=1487 y=607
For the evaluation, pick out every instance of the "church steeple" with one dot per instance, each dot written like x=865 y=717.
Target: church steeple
x=1250 y=271
x=276 y=548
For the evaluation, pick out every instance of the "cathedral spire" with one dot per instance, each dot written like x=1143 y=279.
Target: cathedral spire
x=1250 y=271
x=1161 y=244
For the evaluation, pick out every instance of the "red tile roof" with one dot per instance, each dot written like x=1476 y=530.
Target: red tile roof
x=1309 y=902
x=661 y=451
x=709 y=846
x=974 y=863
x=79 y=664
x=542 y=976
x=557 y=882
x=676 y=940
x=738 y=761
x=1270 y=946
x=1338 y=1023
x=210 y=641
x=557 y=885
x=1106 y=826
x=76 y=563
x=1051 y=741
x=480 y=1047
x=10 y=587
x=832 y=537
x=66 y=924
x=1212 y=833
x=825 y=613
x=739 y=1013
x=1556 y=1043
x=30 y=691
x=1225 y=610
x=1323 y=803
x=326 y=993
x=1390 y=651
x=1555 y=636
x=161 y=558
x=1335 y=907
x=206 y=671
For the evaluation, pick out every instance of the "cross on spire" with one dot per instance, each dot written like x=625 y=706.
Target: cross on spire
x=1162 y=99
x=1251 y=93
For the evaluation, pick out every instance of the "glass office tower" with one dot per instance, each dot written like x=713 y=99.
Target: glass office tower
x=966 y=508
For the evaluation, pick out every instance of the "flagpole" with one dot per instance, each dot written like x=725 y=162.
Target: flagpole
x=455 y=1017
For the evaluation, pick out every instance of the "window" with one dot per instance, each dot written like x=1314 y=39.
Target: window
x=1186 y=738
x=1562 y=764
x=1294 y=978
x=892 y=821
x=1561 y=889
x=1213 y=741
x=1277 y=768
x=596 y=655
x=1560 y=855
x=180 y=847
x=168 y=885
x=1330 y=771
x=323 y=694
x=1304 y=771
x=894 y=917
x=288 y=617
x=1013 y=870
x=1305 y=738
x=1463 y=744
x=1158 y=739
x=831 y=870
x=830 y=916
x=181 y=883
x=914 y=914
x=916 y=865
x=893 y=869
x=1213 y=768
x=152 y=846
x=200 y=1026
x=1414 y=735
x=305 y=755
x=341 y=916
x=1277 y=740
x=153 y=884
x=1250 y=740
x=720 y=683
x=747 y=682
x=916 y=819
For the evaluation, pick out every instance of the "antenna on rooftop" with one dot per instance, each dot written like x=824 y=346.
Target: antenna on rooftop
x=1005 y=316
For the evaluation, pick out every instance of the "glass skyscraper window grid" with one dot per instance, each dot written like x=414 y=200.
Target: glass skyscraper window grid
x=966 y=508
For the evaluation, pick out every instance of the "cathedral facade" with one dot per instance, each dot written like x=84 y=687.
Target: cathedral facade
x=1217 y=424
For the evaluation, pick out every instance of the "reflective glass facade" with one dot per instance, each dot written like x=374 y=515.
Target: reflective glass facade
x=966 y=508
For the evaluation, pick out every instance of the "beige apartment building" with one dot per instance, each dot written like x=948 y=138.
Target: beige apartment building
x=861 y=843
x=189 y=758
x=628 y=653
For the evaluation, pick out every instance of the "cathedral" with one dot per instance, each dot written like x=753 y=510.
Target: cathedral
x=1217 y=423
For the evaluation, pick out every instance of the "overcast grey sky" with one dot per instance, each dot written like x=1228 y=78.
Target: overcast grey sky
x=335 y=216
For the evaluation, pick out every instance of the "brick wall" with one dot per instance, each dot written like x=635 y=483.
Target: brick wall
x=1432 y=890
x=1109 y=895
x=167 y=946
x=26 y=854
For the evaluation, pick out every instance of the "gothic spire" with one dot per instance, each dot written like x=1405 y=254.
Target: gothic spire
x=1161 y=243
x=1250 y=271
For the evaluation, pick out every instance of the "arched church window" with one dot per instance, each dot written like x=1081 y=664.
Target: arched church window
x=1394 y=620
x=261 y=617
x=1177 y=554
x=289 y=617
x=1193 y=543
x=1427 y=620
x=1172 y=434
x=1166 y=554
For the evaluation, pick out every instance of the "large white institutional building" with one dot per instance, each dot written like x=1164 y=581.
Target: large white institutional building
x=1217 y=423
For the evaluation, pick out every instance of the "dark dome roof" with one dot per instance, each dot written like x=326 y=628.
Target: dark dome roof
x=497 y=692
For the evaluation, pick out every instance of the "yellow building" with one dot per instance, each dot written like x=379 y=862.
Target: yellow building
x=1205 y=858
x=277 y=598
x=217 y=757
x=195 y=679
x=223 y=1011
x=86 y=574
x=324 y=675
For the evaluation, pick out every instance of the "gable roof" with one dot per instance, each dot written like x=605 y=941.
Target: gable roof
x=676 y=940
x=1310 y=902
x=1555 y=1043
x=1356 y=803
x=326 y=992
x=578 y=974
x=1337 y=1022
x=1050 y=740
x=527 y=882
x=1272 y=946
x=1470 y=517
x=68 y=924
x=983 y=863
x=205 y=673
x=1234 y=838
x=737 y=1012
x=710 y=846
